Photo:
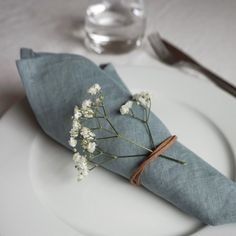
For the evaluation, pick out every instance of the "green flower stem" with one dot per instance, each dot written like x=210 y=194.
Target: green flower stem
x=149 y=109
x=95 y=165
x=130 y=141
x=137 y=155
x=147 y=114
x=95 y=128
x=111 y=125
x=103 y=162
x=107 y=119
x=173 y=159
x=107 y=153
x=106 y=137
x=162 y=156
x=108 y=131
x=150 y=134
x=145 y=121
x=135 y=117
x=98 y=155
x=104 y=109
x=119 y=135
x=98 y=122
x=122 y=137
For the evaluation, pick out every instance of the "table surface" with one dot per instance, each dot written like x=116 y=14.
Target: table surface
x=206 y=29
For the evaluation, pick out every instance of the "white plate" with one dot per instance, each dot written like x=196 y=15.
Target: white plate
x=39 y=194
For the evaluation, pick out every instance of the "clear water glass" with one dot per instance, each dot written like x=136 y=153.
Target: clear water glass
x=114 y=26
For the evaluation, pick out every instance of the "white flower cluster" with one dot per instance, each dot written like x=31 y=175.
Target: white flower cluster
x=95 y=89
x=81 y=164
x=76 y=126
x=142 y=98
x=125 y=109
x=88 y=144
x=88 y=140
x=87 y=137
x=86 y=109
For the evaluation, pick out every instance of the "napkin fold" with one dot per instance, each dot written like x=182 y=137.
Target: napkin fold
x=55 y=83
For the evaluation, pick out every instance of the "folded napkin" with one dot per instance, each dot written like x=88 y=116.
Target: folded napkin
x=55 y=83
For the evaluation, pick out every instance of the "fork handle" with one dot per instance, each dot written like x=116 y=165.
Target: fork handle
x=228 y=87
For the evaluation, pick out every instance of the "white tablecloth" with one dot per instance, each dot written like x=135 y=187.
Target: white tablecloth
x=206 y=29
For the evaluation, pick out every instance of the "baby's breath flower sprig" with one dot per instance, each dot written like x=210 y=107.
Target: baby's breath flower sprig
x=85 y=137
x=142 y=99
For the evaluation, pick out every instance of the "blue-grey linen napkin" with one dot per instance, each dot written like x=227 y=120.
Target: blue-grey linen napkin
x=55 y=83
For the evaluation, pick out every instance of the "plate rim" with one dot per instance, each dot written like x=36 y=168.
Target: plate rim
x=123 y=68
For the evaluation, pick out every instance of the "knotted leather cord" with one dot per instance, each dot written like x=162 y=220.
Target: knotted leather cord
x=160 y=149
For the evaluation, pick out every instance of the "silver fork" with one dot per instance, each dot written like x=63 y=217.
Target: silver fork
x=171 y=55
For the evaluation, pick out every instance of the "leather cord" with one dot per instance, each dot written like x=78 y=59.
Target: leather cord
x=160 y=149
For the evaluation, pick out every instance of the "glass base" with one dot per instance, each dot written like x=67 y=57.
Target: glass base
x=111 y=46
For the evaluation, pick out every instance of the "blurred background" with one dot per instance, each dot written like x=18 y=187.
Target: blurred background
x=206 y=29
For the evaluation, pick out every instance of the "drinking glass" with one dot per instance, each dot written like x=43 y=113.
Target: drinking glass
x=114 y=26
